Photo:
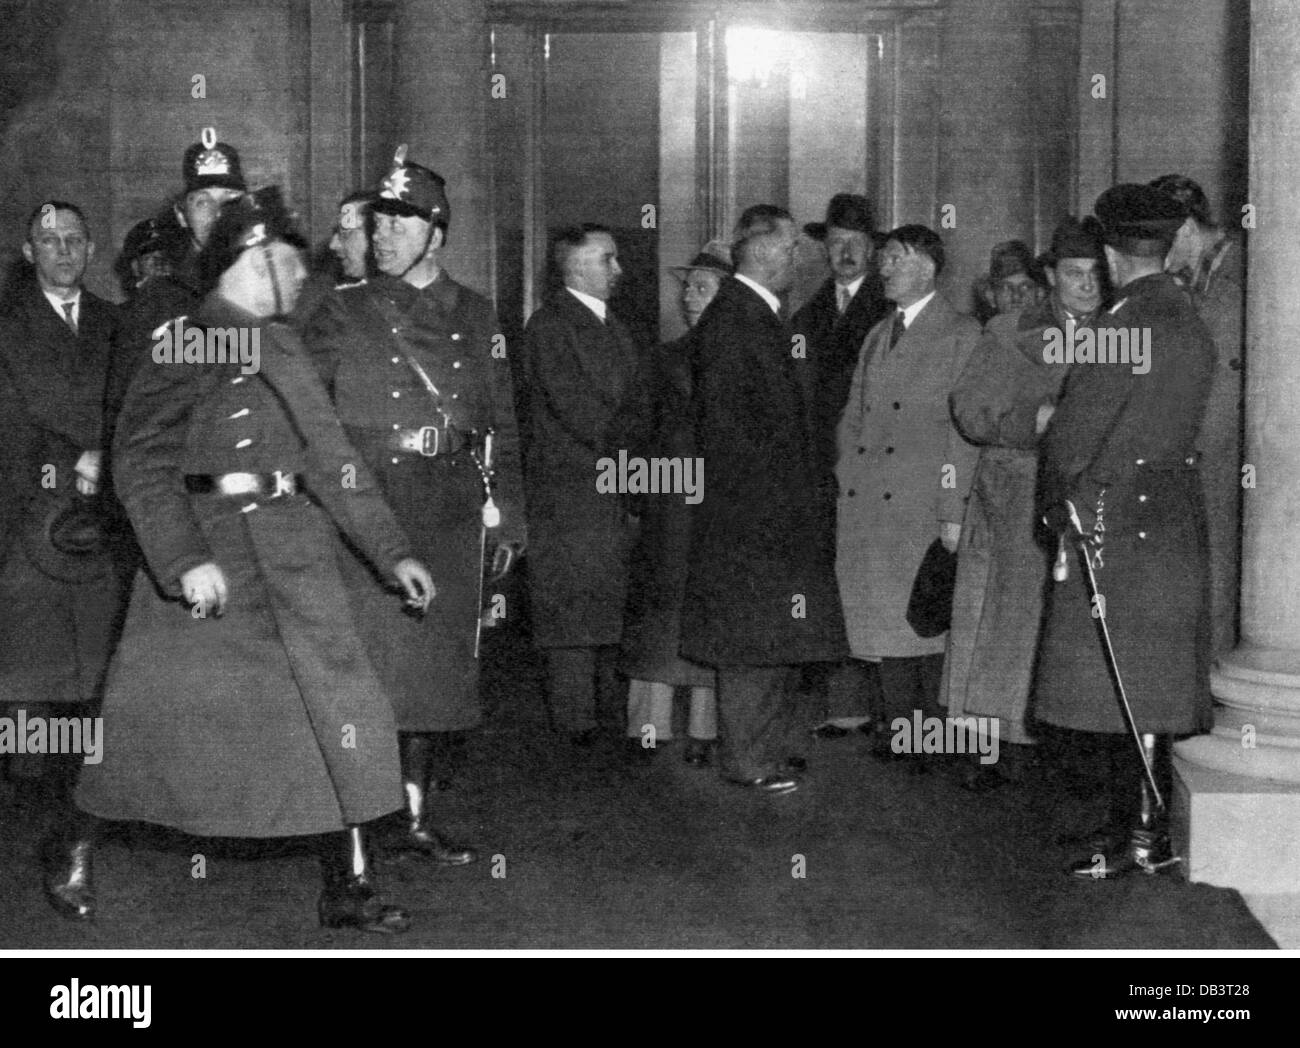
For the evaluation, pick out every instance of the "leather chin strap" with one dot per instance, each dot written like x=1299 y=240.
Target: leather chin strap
x=423 y=252
x=275 y=280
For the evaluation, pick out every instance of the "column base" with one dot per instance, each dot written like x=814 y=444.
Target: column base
x=1235 y=831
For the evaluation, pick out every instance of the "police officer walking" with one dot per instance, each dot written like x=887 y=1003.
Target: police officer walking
x=421 y=382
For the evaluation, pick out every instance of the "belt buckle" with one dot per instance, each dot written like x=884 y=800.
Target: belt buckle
x=232 y=484
x=283 y=484
x=425 y=433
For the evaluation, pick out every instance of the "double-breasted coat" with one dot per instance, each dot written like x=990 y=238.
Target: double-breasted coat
x=364 y=337
x=903 y=470
x=55 y=636
x=581 y=380
x=760 y=587
x=1121 y=446
x=1003 y=559
x=268 y=720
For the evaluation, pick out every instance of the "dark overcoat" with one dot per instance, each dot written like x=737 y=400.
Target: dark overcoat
x=1003 y=558
x=268 y=720
x=55 y=636
x=760 y=589
x=657 y=576
x=581 y=380
x=361 y=336
x=834 y=343
x=1122 y=445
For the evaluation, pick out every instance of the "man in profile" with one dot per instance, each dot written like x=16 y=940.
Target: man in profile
x=761 y=597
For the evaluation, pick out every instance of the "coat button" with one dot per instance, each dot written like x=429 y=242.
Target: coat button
x=394 y=460
x=237 y=380
x=889 y=451
x=888 y=496
x=1142 y=534
x=396 y=393
x=397 y=360
x=1141 y=462
x=852 y=492
x=455 y=396
x=1142 y=498
x=897 y=405
x=243 y=443
x=862 y=451
x=394 y=331
x=455 y=363
x=455 y=336
x=396 y=426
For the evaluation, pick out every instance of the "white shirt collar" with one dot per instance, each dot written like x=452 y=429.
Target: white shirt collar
x=852 y=288
x=910 y=312
x=766 y=295
x=594 y=304
x=58 y=304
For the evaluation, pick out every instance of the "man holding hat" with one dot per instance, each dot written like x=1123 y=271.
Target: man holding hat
x=1002 y=402
x=241 y=701
x=1120 y=452
x=835 y=322
x=418 y=371
x=59 y=597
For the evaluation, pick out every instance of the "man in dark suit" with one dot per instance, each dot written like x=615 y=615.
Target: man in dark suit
x=761 y=596
x=56 y=614
x=835 y=322
x=580 y=365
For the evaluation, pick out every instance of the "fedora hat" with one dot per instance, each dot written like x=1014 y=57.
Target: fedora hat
x=66 y=537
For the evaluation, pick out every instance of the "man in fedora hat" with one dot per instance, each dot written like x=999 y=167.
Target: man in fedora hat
x=657 y=572
x=58 y=597
x=835 y=322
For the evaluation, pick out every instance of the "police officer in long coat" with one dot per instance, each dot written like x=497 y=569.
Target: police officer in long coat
x=253 y=711
x=419 y=375
x=1121 y=450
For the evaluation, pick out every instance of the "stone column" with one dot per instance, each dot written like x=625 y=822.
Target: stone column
x=1238 y=798
x=442 y=89
x=986 y=149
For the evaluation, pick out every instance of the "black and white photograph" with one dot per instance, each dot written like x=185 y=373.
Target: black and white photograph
x=651 y=478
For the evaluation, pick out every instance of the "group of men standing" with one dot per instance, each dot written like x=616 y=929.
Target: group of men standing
x=261 y=545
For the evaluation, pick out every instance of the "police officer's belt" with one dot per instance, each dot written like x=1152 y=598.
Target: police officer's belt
x=429 y=441
x=270 y=485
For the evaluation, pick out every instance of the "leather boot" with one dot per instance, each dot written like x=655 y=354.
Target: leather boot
x=421 y=839
x=347 y=899
x=67 y=867
x=1121 y=813
x=1147 y=846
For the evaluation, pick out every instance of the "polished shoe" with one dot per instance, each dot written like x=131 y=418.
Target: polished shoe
x=1148 y=850
x=68 y=877
x=770 y=784
x=347 y=899
x=1099 y=840
x=698 y=752
x=420 y=838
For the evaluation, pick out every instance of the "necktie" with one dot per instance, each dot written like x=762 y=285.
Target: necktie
x=896 y=332
x=68 y=311
x=842 y=298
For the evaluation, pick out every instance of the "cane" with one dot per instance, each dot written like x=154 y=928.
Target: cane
x=491 y=518
x=1059 y=573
